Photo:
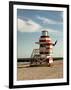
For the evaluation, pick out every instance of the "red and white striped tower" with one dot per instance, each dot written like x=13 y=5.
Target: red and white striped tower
x=45 y=47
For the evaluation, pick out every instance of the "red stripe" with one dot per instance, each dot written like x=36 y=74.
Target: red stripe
x=48 y=44
x=48 y=48
x=45 y=40
x=44 y=36
x=45 y=53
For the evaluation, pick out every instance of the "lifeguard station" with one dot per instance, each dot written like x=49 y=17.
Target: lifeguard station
x=45 y=51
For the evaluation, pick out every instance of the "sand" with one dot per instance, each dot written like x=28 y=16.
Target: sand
x=40 y=72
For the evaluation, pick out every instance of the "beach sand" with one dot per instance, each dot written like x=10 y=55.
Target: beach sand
x=40 y=72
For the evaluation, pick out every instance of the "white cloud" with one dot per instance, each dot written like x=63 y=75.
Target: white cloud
x=28 y=26
x=31 y=26
x=47 y=20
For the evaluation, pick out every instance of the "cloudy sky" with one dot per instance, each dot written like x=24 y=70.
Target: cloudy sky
x=30 y=23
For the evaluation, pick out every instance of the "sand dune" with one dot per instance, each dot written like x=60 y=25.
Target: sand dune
x=40 y=72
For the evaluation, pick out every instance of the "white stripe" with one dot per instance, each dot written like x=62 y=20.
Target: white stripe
x=43 y=56
x=45 y=39
x=42 y=43
x=44 y=49
x=47 y=55
x=49 y=46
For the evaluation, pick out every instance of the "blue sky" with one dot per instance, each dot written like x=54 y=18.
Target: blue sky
x=30 y=23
